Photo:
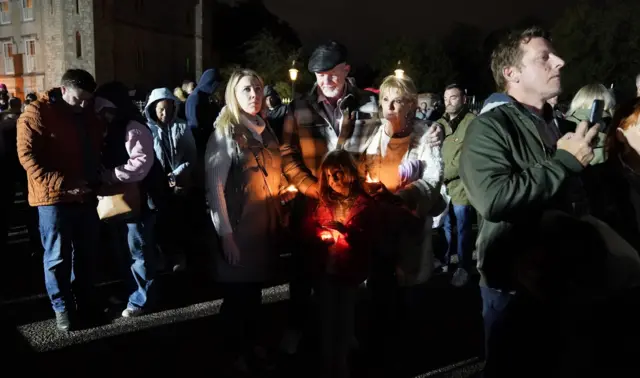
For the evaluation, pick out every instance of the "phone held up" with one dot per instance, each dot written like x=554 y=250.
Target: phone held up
x=595 y=116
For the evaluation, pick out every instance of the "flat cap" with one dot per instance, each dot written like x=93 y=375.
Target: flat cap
x=326 y=56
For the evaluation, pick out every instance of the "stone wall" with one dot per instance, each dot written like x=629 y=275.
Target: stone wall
x=61 y=23
x=53 y=42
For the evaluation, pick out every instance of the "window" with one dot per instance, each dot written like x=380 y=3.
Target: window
x=27 y=10
x=77 y=6
x=5 y=12
x=78 y=45
x=7 y=54
x=30 y=55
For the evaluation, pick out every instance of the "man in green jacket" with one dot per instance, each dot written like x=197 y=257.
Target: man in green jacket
x=455 y=122
x=515 y=165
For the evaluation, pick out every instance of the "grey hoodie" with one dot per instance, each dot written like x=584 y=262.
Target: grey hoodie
x=174 y=144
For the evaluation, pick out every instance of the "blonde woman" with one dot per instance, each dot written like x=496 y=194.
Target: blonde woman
x=243 y=174
x=404 y=159
x=581 y=108
x=404 y=156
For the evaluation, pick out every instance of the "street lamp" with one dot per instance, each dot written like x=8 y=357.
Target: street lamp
x=399 y=71
x=293 y=74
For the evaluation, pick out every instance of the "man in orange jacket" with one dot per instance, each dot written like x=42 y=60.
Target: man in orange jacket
x=59 y=140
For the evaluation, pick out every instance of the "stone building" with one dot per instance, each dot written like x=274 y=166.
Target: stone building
x=141 y=43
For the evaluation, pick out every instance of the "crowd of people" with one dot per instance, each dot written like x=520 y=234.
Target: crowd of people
x=352 y=183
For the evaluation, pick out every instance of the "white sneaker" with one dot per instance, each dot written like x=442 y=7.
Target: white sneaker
x=132 y=312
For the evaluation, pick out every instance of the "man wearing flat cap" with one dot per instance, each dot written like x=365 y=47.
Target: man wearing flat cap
x=332 y=116
x=326 y=119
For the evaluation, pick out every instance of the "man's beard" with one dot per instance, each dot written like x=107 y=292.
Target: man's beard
x=331 y=92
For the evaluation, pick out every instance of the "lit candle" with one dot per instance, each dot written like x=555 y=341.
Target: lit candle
x=371 y=180
x=326 y=236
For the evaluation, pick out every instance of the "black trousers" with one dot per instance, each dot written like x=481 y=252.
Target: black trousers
x=241 y=314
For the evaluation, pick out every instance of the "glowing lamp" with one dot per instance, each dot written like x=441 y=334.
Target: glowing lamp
x=399 y=72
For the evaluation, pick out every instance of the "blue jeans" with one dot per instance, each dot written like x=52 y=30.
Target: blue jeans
x=525 y=337
x=463 y=216
x=69 y=234
x=137 y=238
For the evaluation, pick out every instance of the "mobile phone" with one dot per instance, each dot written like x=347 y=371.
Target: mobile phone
x=595 y=117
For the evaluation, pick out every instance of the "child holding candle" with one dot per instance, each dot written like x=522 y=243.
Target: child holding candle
x=350 y=227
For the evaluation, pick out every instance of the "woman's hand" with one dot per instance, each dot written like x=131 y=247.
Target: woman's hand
x=230 y=250
x=287 y=195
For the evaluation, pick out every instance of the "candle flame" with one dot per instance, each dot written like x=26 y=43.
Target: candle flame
x=326 y=236
x=370 y=179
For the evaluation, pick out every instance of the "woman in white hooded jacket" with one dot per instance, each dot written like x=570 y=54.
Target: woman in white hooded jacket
x=175 y=149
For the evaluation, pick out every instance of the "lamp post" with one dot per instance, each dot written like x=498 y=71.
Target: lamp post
x=399 y=72
x=293 y=75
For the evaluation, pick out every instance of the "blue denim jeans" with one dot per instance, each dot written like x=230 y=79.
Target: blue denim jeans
x=69 y=234
x=524 y=337
x=463 y=243
x=136 y=240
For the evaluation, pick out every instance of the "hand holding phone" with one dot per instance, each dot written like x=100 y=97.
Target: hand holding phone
x=595 y=117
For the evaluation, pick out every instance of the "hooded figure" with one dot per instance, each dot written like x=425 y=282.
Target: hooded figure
x=276 y=110
x=201 y=112
x=173 y=141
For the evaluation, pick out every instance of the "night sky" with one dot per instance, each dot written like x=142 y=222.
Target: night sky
x=362 y=24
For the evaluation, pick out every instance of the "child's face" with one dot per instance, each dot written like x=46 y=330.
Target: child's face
x=338 y=181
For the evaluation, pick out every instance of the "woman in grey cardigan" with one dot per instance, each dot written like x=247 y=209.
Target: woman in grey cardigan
x=243 y=179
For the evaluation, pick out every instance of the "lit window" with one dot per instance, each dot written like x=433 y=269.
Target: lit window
x=5 y=12
x=30 y=55
x=7 y=54
x=27 y=10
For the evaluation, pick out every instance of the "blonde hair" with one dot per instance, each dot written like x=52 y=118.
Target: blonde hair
x=404 y=85
x=585 y=96
x=230 y=114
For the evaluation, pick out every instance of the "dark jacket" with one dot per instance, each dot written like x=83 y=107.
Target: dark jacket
x=609 y=187
x=454 y=135
x=510 y=178
x=200 y=111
